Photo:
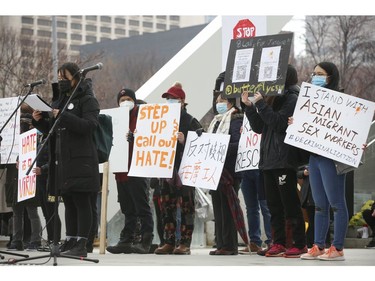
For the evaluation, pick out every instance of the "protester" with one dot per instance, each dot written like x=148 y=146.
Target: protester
x=174 y=195
x=30 y=205
x=73 y=164
x=328 y=188
x=228 y=120
x=269 y=117
x=46 y=199
x=252 y=188
x=133 y=193
x=369 y=217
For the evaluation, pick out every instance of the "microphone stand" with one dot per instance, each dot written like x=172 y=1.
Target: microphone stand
x=1 y=130
x=55 y=250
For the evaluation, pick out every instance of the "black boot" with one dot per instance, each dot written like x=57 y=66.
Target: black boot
x=122 y=247
x=79 y=249
x=144 y=246
x=68 y=244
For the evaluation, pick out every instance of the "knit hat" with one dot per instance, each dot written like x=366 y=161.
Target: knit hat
x=126 y=92
x=175 y=91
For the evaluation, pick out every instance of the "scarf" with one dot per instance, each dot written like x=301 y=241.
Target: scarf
x=224 y=122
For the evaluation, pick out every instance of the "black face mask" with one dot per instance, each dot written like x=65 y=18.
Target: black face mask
x=64 y=86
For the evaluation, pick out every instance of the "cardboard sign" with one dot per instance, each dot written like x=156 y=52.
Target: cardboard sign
x=331 y=124
x=203 y=159
x=257 y=64
x=27 y=154
x=155 y=140
x=10 y=133
x=248 y=153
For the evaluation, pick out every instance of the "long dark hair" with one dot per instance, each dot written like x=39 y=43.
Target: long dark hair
x=333 y=73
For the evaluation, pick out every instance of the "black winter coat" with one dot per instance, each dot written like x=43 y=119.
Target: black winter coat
x=272 y=123
x=79 y=165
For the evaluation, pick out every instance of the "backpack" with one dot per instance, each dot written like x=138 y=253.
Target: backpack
x=103 y=137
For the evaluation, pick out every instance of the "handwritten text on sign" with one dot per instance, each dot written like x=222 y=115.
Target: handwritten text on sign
x=331 y=124
x=155 y=140
x=27 y=153
x=248 y=148
x=203 y=159
x=9 y=144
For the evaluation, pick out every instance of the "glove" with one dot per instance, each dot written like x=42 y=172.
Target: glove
x=199 y=131
x=130 y=136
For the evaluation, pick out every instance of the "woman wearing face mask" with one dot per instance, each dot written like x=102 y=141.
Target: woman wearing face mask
x=132 y=194
x=77 y=173
x=269 y=116
x=328 y=188
x=228 y=120
x=174 y=195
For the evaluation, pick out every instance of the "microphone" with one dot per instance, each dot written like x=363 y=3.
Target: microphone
x=94 y=67
x=36 y=83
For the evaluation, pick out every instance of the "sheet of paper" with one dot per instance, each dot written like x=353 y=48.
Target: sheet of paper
x=37 y=103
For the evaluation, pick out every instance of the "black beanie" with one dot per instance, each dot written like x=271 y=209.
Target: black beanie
x=126 y=92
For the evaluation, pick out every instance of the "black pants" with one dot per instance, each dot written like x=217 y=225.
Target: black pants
x=370 y=220
x=284 y=204
x=134 y=203
x=78 y=213
x=225 y=229
x=48 y=209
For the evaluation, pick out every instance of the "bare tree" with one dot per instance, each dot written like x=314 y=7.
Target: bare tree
x=349 y=42
x=127 y=72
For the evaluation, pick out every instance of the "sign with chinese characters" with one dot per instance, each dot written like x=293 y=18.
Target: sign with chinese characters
x=203 y=159
x=155 y=140
x=332 y=124
x=27 y=153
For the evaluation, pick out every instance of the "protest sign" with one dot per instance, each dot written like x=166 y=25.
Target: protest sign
x=203 y=159
x=155 y=140
x=118 y=159
x=248 y=152
x=10 y=133
x=27 y=154
x=331 y=124
x=257 y=64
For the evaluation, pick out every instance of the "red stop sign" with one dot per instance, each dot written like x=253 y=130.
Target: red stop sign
x=244 y=29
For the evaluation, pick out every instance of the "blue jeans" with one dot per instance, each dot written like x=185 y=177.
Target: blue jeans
x=253 y=192
x=328 y=189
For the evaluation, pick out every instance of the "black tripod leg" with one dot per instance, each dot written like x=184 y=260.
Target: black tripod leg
x=13 y=254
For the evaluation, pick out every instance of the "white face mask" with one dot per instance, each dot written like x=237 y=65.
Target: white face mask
x=173 y=101
x=127 y=103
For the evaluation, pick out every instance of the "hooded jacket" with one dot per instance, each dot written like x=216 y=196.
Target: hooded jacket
x=78 y=168
x=272 y=122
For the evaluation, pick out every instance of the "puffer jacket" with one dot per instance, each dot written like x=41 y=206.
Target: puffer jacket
x=78 y=167
x=272 y=122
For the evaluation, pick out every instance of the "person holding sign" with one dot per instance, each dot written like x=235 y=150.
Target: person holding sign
x=132 y=193
x=327 y=187
x=270 y=118
x=30 y=205
x=72 y=147
x=227 y=121
x=173 y=194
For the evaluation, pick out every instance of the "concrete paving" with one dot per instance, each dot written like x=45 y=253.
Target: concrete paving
x=199 y=257
x=197 y=266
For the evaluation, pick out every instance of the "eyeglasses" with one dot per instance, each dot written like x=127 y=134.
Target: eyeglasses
x=318 y=74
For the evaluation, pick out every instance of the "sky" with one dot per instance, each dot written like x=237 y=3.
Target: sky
x=190 y=7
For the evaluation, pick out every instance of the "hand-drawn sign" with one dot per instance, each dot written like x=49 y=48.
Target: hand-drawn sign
x=257 y=64
x=331 y=124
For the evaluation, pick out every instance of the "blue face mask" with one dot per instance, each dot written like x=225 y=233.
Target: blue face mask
x=221 y=107
x=173 y=101
x=318 y=80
